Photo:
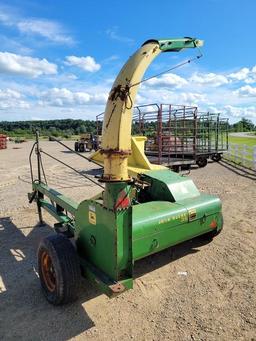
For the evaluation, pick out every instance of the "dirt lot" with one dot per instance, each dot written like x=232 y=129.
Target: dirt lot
x=216 y=300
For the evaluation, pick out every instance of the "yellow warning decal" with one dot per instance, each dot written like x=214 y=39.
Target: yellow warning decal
x=192 y=214
x=92 y=215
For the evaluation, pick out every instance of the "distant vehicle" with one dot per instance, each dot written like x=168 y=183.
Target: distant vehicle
x=19 y=140
x=87 y=143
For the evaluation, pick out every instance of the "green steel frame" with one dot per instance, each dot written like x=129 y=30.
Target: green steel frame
x=128 y=221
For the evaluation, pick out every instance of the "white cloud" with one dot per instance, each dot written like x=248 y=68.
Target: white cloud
x=211 y=79
x=213 y=109
x=197 y=79
x=110 y=59
x=85 y=63
x=246 y=91
x=9 y=94
x=242 y=74
x=190 y=97
x=72 y=76
x=157 y=95
x=5 y=16
x=12 y=63
x=14 y=45
x=86 y=98
x=164 y=95
x=238 y=112
x=12 y=99
x=169 y=79
x=251 y=79
x=48 y=29
x=64 y=97
x=245 y=74
x=113 y=34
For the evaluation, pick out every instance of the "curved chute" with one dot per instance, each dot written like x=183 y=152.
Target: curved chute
x=116 y=133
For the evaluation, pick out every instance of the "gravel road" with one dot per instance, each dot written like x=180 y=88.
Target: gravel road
x=194 y=291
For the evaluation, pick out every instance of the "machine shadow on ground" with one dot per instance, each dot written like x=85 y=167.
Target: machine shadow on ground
x=67 y=152
x=169 y=255
x=27 y=304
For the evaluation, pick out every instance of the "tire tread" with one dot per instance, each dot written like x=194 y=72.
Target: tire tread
x=67 y=268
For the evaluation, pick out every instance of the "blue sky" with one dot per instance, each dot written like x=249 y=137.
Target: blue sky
x=58 y=59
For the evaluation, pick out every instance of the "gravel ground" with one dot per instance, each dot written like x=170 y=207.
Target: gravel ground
x=214 y=298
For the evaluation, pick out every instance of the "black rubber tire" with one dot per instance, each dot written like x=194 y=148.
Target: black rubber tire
x=76 y=146
x=81 y=148
x=66 y=267
x=216 y=157
x=176 y=169
x=201 y=162
x=185 y=167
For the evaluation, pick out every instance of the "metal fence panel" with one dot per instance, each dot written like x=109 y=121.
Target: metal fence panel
x=242 y=155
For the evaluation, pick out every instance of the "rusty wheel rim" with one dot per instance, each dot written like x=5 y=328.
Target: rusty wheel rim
x=48 y=271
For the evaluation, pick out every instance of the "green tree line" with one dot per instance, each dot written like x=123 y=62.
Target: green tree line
x=68 y=127
x=62 y=128
x=244 y=125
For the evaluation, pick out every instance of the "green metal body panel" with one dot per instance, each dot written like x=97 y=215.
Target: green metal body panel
x=114 y=229
x=160 y=224
x=169 y=186
x=105 y=242
x=104 y=239
x=177 y=212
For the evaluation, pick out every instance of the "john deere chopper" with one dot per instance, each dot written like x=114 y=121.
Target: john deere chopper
x=143 y=208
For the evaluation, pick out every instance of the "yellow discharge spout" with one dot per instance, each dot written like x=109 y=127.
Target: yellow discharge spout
x=116 y=133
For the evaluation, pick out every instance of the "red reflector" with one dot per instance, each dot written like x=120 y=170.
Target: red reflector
x=123 y=201
x=213 y=224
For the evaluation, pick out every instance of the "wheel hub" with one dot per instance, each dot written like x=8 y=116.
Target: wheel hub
x=48 y=271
